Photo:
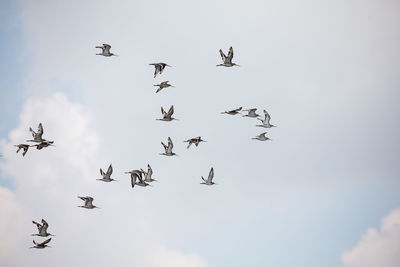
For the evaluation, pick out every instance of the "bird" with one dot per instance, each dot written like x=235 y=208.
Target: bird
x=148 y=174
x=105 y=50
x=88 y=203
x=37 y=136
x=251 y=113
x=233 y=111
x=44 y=144
x=135 y=176
x=24 y=147
x=261 y=137
x=42 y=228
x=159 y=68
x=227 y=59
x=168 y=148
x=106 y=177
x=167 y=116
x=163 y=85
x=265 y=121
x=196 y=141
x=41 y=245
x=209 y=179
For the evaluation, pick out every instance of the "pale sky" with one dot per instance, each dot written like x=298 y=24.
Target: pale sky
x=323 y=192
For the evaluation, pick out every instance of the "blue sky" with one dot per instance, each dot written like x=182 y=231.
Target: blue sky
x=303 y=199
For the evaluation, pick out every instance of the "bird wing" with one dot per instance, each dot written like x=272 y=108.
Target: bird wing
x=149 y=170
x=45 y=242
x=139 y=176
x=210 y=175
x=230 y=54
x=165 y=146
x=267 y=116
x=238 y=109
x=45 y=226
x=222 y=55
x=252 y=111
x=32 y=131
x=40 y=130
x=262 y=135
x=170 y=111
x=163 y=111
x=101 y=172
x=109 y=171
x=39 y=226
x=170 y=145
x=83 y=198
x=88 y=201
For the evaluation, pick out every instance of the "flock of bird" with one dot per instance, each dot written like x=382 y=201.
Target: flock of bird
x=140 y=177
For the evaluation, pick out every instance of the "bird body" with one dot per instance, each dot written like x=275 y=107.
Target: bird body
x=196 y=141
x=167 y=116
x=159 y=67
x=105 y=50
x=251 y=113
x=41 y=245
x=43 y=144
x=168 y=148
x=227 y=60
x=261 y=137
x=209 y=180
x=233 y=111
x=266 y=121
x=106 y=177
x=42 y=228
x=88 y=203
x=163 y=85
x=24 y=147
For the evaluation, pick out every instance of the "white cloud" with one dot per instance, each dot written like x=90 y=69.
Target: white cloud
x=377 y=247
x=47 y=184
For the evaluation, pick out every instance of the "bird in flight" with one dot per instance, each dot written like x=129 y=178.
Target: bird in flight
x=88 y=203
x=227 y=59
x=105 y=50
x=209 y=180
x=167 y=116
x=265 y=121
x=42 y=228
x=159 y=68
x=106 y=177
x=196 y=141
x=261 y=137
x=168 y=148
x=163 y=85
x=251 y=113
x=24 y=147
x=233 y=111
x=41 y=245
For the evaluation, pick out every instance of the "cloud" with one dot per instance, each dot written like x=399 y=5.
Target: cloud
x=377 y=247
x=47 y=185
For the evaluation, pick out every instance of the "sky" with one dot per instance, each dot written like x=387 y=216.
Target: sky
x=323 y=192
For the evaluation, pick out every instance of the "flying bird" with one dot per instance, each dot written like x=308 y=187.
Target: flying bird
x=42 y=228
x=41 y=245
x=148 y=174
x=209 y=180
x=163 y=85
x=261 y=137
x=44 y=144
x=167 y=116
x=196 y=141
x=168 y=148
x=106 y=177
x=105 y=50
x=265 y=121
x=159 y=68
x=251 y=113
x=227 y=59
x=233 y=111
x=24 y=147
x=88 y=203
x=137 y=178
x=37 y=136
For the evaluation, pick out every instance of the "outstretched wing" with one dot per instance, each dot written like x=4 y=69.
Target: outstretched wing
x=170 y=145
x=210 y=175
x=109 y=171
x=101 y=172
x=170 y=111
x=39 y=226
x=267 y=116
x=163 y=111
x=45 y=242
x=45 y=225
x=165 y=146
x=32 y=131
x=40 y=130
x=230 y=54
x=238 y=109
x=106 y=48
x=222 y=55
x=133 y=179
